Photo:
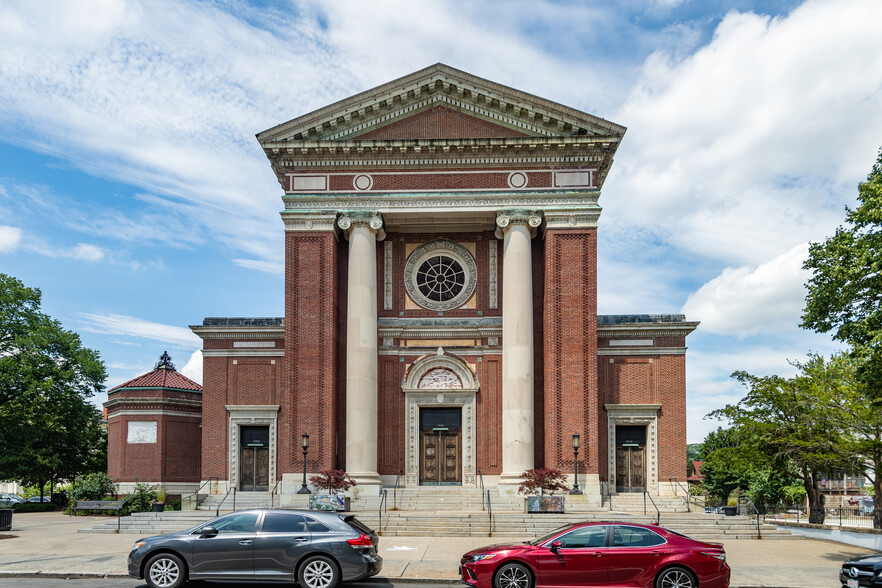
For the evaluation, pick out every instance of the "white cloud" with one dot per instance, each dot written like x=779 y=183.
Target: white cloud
x=10 y=237
x=193 y=368
x=754 y=142
x=118 y=324
x=84 y=252
x=747 y=300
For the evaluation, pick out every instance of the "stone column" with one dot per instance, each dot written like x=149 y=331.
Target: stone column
x=516 y=228
x=363 y=231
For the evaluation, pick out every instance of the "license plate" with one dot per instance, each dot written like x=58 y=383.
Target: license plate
x=852 y=583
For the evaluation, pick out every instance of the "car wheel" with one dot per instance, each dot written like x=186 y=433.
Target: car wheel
x=165 y=570
x=318 y=572
x=513 y=575
x=676 y=577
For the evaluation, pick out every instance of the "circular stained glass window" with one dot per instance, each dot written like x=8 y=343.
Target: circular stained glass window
x=440 y=275
x=440 y=278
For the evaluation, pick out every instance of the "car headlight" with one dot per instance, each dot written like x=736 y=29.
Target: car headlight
x=482 y=557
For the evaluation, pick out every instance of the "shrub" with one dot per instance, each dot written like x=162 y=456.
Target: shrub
x=141 y=499
x=334 y=481
x=92 y=487
x=542 y=480
x=34 y=507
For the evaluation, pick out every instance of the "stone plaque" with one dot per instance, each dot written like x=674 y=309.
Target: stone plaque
x=142 y=432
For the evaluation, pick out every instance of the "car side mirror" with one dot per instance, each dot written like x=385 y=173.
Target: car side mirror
x=208 y=532
x=555 y=546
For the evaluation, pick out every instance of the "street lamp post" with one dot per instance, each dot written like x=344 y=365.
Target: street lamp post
x=304 y=443
x=576 y=442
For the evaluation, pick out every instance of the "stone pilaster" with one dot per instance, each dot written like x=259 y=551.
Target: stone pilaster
x=363 y=230
x=517 y=227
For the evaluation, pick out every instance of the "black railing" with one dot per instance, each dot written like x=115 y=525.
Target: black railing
x=657 y=511
x=860 y=515
x=383 y=496
x=490 y=511
x=273 y=495
x=395 y=491
x=759 y=533
x=195 y=495
x=481 y=477
x=233 y=490
x=685 y=490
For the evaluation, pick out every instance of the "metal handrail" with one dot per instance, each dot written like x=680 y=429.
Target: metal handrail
x=395 y=491
x=604 y=485
x=657 y=511
x=196 y=494
x=481 y=477
x=233 y=490
x=490 y=511
x=759 y=534
x=686 y=490
x=273 y=495
x=384 y=494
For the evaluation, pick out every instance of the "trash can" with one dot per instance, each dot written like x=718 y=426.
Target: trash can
x=5 y=519
x=730 y=511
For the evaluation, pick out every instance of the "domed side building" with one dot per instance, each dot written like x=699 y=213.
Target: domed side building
x=154 y=430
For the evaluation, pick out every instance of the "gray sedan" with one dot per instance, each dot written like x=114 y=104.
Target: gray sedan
x=315 y=549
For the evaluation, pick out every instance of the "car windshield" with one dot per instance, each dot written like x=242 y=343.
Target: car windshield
x=547 y=536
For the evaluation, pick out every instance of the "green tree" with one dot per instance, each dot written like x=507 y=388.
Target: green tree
x=48 y=429
x=860 y=418
x=728 y=459
x=795 y=423
x=845 y=290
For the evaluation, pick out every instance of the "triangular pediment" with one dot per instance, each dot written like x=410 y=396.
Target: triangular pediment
x=439 y=102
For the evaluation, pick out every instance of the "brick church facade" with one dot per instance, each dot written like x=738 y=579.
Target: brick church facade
x=440 y=313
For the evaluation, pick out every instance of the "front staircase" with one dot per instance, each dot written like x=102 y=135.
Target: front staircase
x=458 y=512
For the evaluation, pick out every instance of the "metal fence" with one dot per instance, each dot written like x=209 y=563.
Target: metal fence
x=857 y=514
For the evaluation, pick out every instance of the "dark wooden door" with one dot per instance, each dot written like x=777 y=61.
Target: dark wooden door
x=254 y=459
x=441 y=457
x=630 y=468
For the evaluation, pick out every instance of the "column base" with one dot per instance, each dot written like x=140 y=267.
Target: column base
x=367 y=483
x=509 y=483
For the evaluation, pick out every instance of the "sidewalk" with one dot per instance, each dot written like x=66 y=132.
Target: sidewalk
x=47 y=544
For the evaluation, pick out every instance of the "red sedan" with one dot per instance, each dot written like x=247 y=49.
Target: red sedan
x=599 y=554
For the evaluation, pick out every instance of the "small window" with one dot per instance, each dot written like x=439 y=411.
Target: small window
x=279 y=522
x=584 y=537
x=635 y=537
x=237 y=523
x=315 y=526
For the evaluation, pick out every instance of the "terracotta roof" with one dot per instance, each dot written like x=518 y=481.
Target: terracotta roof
x=161 y=378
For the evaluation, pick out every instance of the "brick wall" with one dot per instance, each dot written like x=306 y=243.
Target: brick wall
x=570 y=348
x=311 y=395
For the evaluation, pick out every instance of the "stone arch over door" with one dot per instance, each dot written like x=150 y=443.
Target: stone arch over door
x=440 y=380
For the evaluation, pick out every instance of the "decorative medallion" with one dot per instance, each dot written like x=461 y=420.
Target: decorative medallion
x=440 y=275
x=517 y=180
x=363 y=182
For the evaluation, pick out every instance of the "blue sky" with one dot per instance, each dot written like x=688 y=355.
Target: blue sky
x=134 y=194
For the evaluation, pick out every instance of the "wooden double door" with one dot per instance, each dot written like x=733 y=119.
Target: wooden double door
x=630 y=458
x=254 y=459
x=441 y=446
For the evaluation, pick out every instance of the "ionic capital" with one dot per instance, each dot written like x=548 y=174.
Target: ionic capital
x=370 y=220
x=507 y=218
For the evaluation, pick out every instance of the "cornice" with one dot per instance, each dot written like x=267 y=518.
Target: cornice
x=570 y=218
x=309 y=221
x=390 y=202
x=439 y=328
x=130 y=401
x=441 y=84
x=647 y=329
x=238 y=332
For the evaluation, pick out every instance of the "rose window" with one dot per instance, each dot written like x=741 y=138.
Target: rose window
x=440 y=275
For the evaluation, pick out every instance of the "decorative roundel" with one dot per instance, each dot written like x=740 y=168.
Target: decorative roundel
x=517 y=180
x=440 y=275
x=363 y=182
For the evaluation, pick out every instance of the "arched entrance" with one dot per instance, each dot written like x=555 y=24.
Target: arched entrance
x=439 y=392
